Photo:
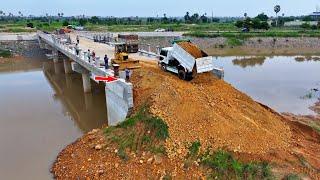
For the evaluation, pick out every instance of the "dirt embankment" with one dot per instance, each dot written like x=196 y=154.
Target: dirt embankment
x=265 y=46
x=206 y=109
x=210 y=110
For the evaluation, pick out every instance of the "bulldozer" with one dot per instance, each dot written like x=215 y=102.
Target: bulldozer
x=121 y=57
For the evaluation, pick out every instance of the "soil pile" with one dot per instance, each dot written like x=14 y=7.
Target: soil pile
x=205 y=109
x=191 y=49
x=91 y=158
x=209 y=110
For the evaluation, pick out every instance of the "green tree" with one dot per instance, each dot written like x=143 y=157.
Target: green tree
x=239 y=24
x=82 y=22
x=262 y=17
x=94 y=20
x=187 y=17
x=65 y=23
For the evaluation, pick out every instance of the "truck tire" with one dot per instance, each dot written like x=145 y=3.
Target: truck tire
x=163 y=67
x=182 y=74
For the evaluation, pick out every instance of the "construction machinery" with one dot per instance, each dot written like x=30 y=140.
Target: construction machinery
x=185 y=59
x=121 y=57
x=131 y=41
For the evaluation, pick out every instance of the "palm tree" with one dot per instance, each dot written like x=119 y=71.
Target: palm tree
x=277 y=9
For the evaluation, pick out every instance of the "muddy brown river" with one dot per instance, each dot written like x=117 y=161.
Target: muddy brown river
x=42 y=110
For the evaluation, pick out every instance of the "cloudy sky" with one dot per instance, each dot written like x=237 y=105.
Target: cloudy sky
x=157 y=7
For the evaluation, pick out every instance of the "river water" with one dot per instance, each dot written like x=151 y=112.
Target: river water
x=282 y=83
x=42 y=110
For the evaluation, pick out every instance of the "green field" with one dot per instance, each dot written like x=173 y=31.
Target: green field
x=196 y=30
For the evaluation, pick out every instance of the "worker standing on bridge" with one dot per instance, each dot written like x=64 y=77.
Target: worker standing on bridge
x=93 y=55
x=78 y=40
x=127 y=71
x=89 y=55
x=106 y=61
x=77 y=49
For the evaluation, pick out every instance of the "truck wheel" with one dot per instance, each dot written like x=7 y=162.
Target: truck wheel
x=182 y=74
x=164 y=67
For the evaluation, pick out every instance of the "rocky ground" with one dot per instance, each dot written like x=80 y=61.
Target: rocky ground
x=206 y=110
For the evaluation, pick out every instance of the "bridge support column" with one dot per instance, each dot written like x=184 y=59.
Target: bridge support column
x=86 y=82
x=55 y=54
x=68 y=81
x=85 y=76
x=67 y=66
x=88 y=101
x=58 y=68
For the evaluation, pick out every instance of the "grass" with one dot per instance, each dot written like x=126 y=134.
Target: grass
x=315 y=126
x=141 y=132
x=225 y=166
x=194 y=149
x=292 y=177
x=231 y=41
x=5 y=53
x=173 y=26
x=241 y=35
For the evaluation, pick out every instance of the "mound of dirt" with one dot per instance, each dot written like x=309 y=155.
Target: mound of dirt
x=191 y=49
x=209 y=110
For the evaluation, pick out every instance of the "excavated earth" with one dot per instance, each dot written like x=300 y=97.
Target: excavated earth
x=205 y=109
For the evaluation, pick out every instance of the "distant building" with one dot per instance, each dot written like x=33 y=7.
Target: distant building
x=299 y=23
x=315 y=16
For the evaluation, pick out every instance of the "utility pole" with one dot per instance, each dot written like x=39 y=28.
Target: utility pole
x=212 y=17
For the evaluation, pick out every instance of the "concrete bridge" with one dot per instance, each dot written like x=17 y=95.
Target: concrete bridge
x=119 y=94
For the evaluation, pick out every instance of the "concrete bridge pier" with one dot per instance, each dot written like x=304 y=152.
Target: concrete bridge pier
x=68 y=81
x=88 y=101
x=85 y=76
x=86 y=82
x=58 y=68
x=67 y=66
x=55 y=54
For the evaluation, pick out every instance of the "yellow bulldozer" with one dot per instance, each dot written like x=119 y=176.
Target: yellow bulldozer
x=121 y=57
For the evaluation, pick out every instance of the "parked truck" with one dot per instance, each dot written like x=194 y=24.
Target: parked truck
x=185 y=59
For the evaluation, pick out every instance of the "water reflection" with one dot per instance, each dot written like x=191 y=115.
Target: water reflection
x=307 y=58
x=87 y=110
x=278 y=82
x=249 y=61
x=42 y=110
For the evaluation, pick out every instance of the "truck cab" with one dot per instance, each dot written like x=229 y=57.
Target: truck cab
x=169 y=63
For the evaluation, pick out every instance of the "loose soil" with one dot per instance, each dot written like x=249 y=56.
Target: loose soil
x=206 y=109
x=191 y=49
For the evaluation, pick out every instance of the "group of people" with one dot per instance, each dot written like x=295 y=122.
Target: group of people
x=92 y=55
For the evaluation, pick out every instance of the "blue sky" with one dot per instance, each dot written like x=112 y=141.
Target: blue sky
x=157 y=7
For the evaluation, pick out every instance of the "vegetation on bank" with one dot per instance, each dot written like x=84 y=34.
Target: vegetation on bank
x=141 y=132
x=239 y=35
x=5 y=53
x=223 y=165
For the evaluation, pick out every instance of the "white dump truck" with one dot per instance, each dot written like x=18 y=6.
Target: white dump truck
x=185 y=59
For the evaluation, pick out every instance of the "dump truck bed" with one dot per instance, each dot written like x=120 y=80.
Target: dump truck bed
x=192 y=49
x=190 y=55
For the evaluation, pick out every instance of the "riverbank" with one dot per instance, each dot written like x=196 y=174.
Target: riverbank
x=262 y=46
x=25 y=46
x=194 y=123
